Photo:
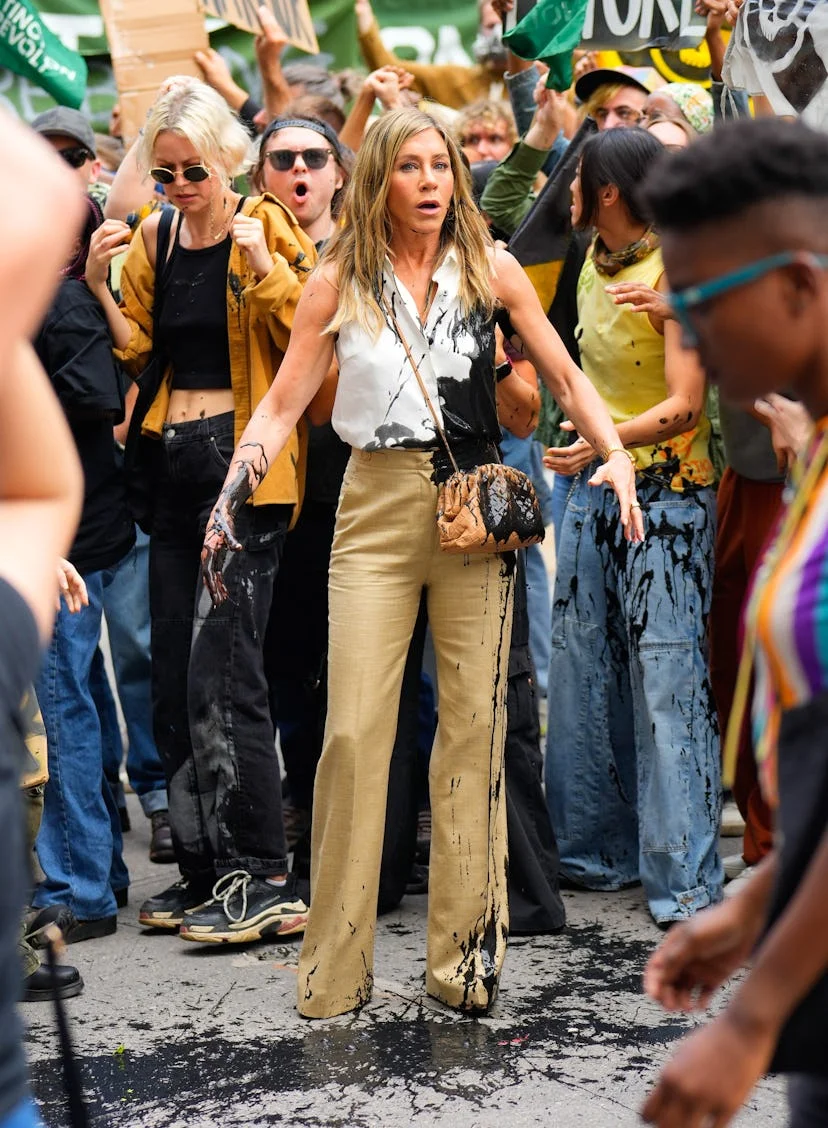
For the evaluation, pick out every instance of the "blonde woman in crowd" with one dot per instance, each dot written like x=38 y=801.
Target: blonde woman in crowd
x=216 y=308
x=413 y=242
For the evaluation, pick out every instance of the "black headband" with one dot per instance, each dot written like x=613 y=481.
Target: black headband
x=320 y=127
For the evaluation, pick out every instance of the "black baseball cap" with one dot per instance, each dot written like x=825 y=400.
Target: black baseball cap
x=588 y=83
x=61 y=121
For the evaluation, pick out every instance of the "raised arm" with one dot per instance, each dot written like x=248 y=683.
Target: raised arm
x=568 y=384
x=305 y=365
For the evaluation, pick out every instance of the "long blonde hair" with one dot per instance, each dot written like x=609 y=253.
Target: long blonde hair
x=360 y=245
x=195 y=111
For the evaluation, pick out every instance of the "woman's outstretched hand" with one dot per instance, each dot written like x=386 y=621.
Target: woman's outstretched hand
x=246 y=473
x=619 y=472
x=220 y=535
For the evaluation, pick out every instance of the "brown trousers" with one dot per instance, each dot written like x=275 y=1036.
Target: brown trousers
x=385 y=552
x=747 y=511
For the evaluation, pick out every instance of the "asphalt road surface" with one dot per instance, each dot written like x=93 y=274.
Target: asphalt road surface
x=173 y=1034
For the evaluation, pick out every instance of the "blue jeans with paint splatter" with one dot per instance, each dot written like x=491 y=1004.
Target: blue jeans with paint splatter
x=632 y=762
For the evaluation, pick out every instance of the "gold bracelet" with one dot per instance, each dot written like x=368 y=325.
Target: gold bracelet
x=611 y=450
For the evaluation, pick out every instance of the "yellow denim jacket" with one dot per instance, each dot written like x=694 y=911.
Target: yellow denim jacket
x=259 y=320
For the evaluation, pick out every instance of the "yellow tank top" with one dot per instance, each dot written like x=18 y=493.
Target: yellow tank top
x=623 y=356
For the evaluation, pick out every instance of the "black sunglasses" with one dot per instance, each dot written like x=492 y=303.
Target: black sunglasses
x=75 y=157
x=193 y=173
x=283 y=160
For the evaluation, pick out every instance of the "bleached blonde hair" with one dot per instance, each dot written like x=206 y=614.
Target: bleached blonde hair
x=194 y=110
x=359 y=247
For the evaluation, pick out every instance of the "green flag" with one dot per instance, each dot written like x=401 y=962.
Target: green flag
x=550 y=32
x=28 y=48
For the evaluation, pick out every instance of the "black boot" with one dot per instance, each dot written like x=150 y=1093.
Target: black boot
x=40 y=987
x=161 y=844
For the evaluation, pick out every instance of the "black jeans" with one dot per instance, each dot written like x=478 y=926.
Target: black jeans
x=210 y=701
x=296 y=646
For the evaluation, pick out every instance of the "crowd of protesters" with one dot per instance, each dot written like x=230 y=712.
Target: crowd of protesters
x=263 y=304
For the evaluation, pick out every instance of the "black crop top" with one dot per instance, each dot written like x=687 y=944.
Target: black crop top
x=193 y=322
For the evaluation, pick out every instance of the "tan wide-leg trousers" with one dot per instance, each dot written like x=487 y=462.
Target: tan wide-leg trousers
x=385 y=552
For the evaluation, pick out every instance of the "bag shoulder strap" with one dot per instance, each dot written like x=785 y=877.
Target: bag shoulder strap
x=162 y=246
x=439 y=426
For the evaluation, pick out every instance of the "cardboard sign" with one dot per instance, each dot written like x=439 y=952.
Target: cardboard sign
x=632 y=25
x=143 y=55
x=293 y=16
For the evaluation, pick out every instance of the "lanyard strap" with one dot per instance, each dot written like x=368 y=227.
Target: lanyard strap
x=390 y=311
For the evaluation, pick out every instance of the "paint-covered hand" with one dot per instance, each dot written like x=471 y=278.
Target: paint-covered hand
x=247 y=470
x=700 y=954
x=711 y=1074
x=619 y=472
x=248 y=233
x=220 y=535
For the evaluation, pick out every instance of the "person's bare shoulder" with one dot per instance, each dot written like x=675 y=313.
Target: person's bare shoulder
x=322 y=291
x=507 y=274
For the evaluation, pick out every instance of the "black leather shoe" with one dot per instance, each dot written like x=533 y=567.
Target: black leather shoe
x=60 y=915
x=40 y=987
x=121 y=897
x=91 y=929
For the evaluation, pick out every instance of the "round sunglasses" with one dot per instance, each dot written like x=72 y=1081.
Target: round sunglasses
x=283 y=160
x=193 y=173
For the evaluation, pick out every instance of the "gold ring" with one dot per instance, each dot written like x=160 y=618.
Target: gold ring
x=635 y=505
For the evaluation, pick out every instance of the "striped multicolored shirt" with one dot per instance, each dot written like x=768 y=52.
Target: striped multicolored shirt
x=789 y=610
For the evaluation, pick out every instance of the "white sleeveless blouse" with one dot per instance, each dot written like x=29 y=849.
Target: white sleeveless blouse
x=379 y=404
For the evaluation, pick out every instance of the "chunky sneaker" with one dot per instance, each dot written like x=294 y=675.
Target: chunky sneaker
x=245 y=908
x=167 y=909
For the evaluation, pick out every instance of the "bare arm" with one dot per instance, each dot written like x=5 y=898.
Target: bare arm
x=269 y=47
x=518 y=399
x=217 y=74
x=714 y=1070
x=131 y=187
x=567 y=383
x=37 y=225
x=384 y=84
x=681 y=408
x=41 y=483
x=306 y=364
x=320 y=408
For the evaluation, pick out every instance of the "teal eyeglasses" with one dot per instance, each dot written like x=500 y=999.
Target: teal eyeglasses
x=684 y=301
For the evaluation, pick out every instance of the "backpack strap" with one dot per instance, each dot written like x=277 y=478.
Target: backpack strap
x=161 y=257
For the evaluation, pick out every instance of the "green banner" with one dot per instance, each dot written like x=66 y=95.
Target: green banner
x=416 y=29
x=30 y=50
